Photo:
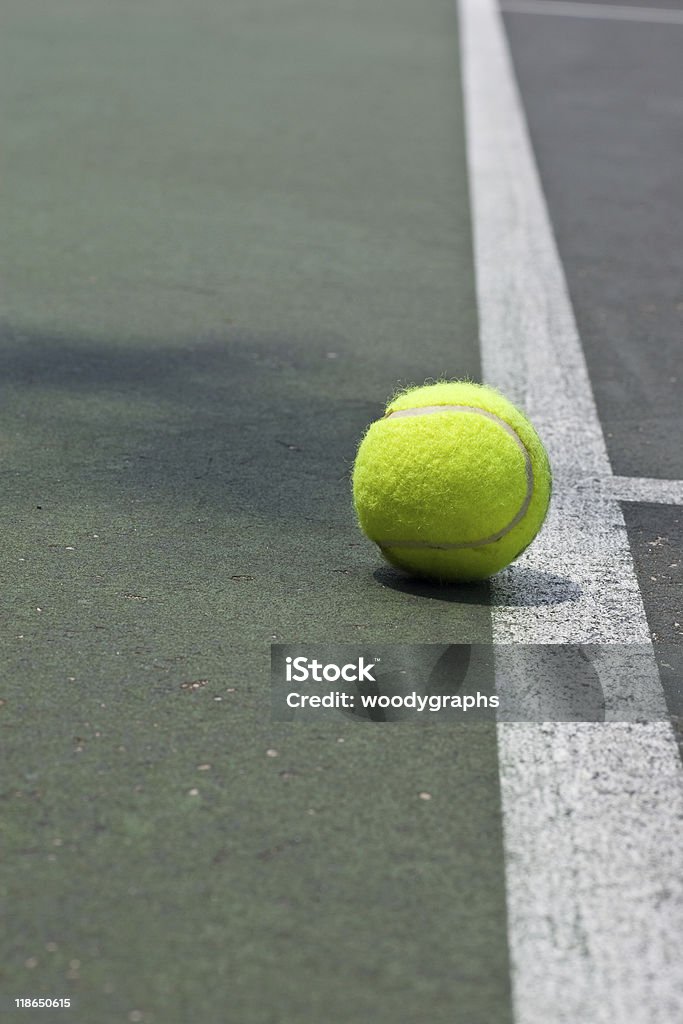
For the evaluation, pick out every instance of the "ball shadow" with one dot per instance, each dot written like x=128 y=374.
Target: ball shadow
x=455 y=593
x=517 y=587
x=520 y=587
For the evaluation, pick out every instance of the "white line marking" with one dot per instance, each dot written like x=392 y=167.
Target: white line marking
x=656 y=492
x=592 y=813
x=599 y=12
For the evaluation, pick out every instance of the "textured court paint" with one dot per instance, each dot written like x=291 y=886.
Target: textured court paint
x=599 y=12
x=595 y=900
x=658 y=492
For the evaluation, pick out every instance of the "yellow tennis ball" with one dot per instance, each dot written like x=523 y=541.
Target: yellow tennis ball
x=453 y=483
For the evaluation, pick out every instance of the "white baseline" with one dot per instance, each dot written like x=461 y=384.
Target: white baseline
x=599 y=12
x=593 y=813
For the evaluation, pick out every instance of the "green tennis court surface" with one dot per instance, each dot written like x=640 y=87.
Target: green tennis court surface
x=227 y=231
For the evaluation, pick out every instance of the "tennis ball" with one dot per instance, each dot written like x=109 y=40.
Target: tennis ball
x=452 y=483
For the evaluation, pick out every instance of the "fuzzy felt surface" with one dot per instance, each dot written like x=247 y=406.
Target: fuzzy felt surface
x=454 y=494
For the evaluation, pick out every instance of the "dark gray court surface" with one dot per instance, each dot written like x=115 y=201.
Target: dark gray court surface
x=229 y=231
x=603 y=100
